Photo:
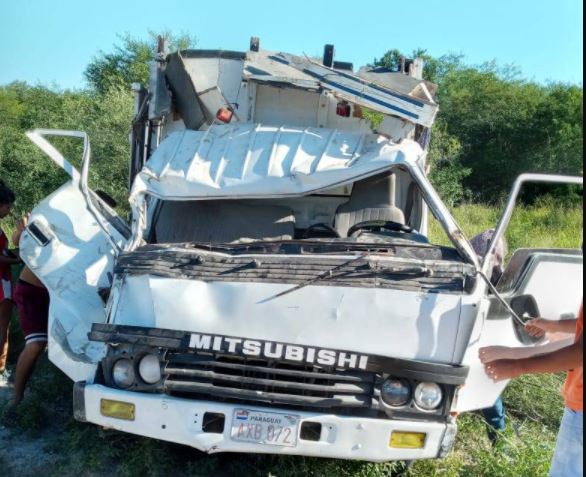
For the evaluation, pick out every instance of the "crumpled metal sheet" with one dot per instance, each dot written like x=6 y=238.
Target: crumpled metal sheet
x=250 y=160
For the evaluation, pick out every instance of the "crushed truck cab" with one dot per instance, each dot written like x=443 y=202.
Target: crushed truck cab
x=276 y=291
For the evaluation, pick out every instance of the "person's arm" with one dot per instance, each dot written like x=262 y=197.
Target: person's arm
x=541 y=326
x=565 y=359
x=9 y=260
x=496 y=353
x=20 y=228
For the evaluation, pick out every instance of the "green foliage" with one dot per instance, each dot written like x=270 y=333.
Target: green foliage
x=537 y=399
x=434 y=70
x=129 y=62
x=504 y=126
x=391 y=60
x=509 y=126
x=528 y=455
x=104 y=112
x=549 y=224
x=106 y=118
x=445 y=160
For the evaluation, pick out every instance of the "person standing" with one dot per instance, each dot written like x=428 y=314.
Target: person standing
x=7 y=259
x=509 y=363
x=32 y=300
x=495 y=416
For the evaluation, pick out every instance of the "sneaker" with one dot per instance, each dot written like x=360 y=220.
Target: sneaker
x=494 y=436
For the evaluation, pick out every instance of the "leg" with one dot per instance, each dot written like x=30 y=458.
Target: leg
x=25 y=367
x=495 y=415
x=568 y=460
x=496 y=419
x=5 y=315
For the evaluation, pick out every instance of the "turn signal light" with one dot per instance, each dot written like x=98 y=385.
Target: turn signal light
x=408 y=440
x=118 y=409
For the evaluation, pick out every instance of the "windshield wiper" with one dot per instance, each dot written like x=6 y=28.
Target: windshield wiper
x=323 y=276
x=413 y=271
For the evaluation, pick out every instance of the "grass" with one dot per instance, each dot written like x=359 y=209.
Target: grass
x=534 y=407
x=545 y=225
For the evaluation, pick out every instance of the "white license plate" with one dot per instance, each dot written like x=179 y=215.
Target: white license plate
x=266 y=428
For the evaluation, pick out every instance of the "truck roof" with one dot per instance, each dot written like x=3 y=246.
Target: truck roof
x=256 y=161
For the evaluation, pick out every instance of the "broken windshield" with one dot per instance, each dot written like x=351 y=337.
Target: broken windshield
x=381 y=211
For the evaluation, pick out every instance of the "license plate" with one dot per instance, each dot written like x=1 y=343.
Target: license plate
x=266 y=428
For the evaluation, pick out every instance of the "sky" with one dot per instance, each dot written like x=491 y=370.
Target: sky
x=50 y=42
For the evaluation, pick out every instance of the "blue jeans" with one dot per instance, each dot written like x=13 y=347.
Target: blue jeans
x=495 y=415
x=568 y=460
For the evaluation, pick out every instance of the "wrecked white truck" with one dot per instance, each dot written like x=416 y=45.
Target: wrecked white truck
x=277 y=291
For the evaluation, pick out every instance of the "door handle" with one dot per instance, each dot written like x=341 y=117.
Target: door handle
x=38 y=235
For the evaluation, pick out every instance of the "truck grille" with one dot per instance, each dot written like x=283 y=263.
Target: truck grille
x=267 y=382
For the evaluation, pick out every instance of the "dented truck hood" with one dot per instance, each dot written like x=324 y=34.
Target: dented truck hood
x=355 y=311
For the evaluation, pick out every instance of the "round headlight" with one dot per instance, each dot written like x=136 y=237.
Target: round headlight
x=396 y=392
x=123 y=373
x=149 y=369
x=428 y=396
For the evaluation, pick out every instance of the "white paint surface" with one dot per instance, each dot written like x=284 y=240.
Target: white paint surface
x=391 y=323
x=73 y=266
x=180 y=420
x=253 y=160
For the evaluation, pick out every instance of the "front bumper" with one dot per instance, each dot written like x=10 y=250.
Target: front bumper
x=179 y=420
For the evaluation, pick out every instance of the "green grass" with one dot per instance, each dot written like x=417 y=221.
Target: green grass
x=534 y=407
x=546 y=225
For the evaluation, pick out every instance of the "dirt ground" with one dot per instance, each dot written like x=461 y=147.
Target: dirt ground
x=22 y=455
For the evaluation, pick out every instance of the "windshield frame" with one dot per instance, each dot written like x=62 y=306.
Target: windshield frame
x=141 y=213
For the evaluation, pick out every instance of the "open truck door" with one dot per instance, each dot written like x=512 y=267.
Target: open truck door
x=537 y=283
x=70 y=244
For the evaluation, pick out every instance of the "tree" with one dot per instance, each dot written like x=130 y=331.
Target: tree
x=508 y=126
x=445 y=160
x=391 y=60
x=130 y=60
x=504 y=126
x=104 y=111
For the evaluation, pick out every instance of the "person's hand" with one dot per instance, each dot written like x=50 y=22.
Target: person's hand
x=23 y=223
x=20 y=228
x=539 y=327
x=494 y=353
x=503 y=370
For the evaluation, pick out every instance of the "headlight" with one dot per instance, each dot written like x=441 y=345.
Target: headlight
x=428 y=396
x=149 y=369
x=123 y=373
x=396 y=392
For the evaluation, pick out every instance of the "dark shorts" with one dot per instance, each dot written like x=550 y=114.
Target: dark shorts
x=33 y=311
